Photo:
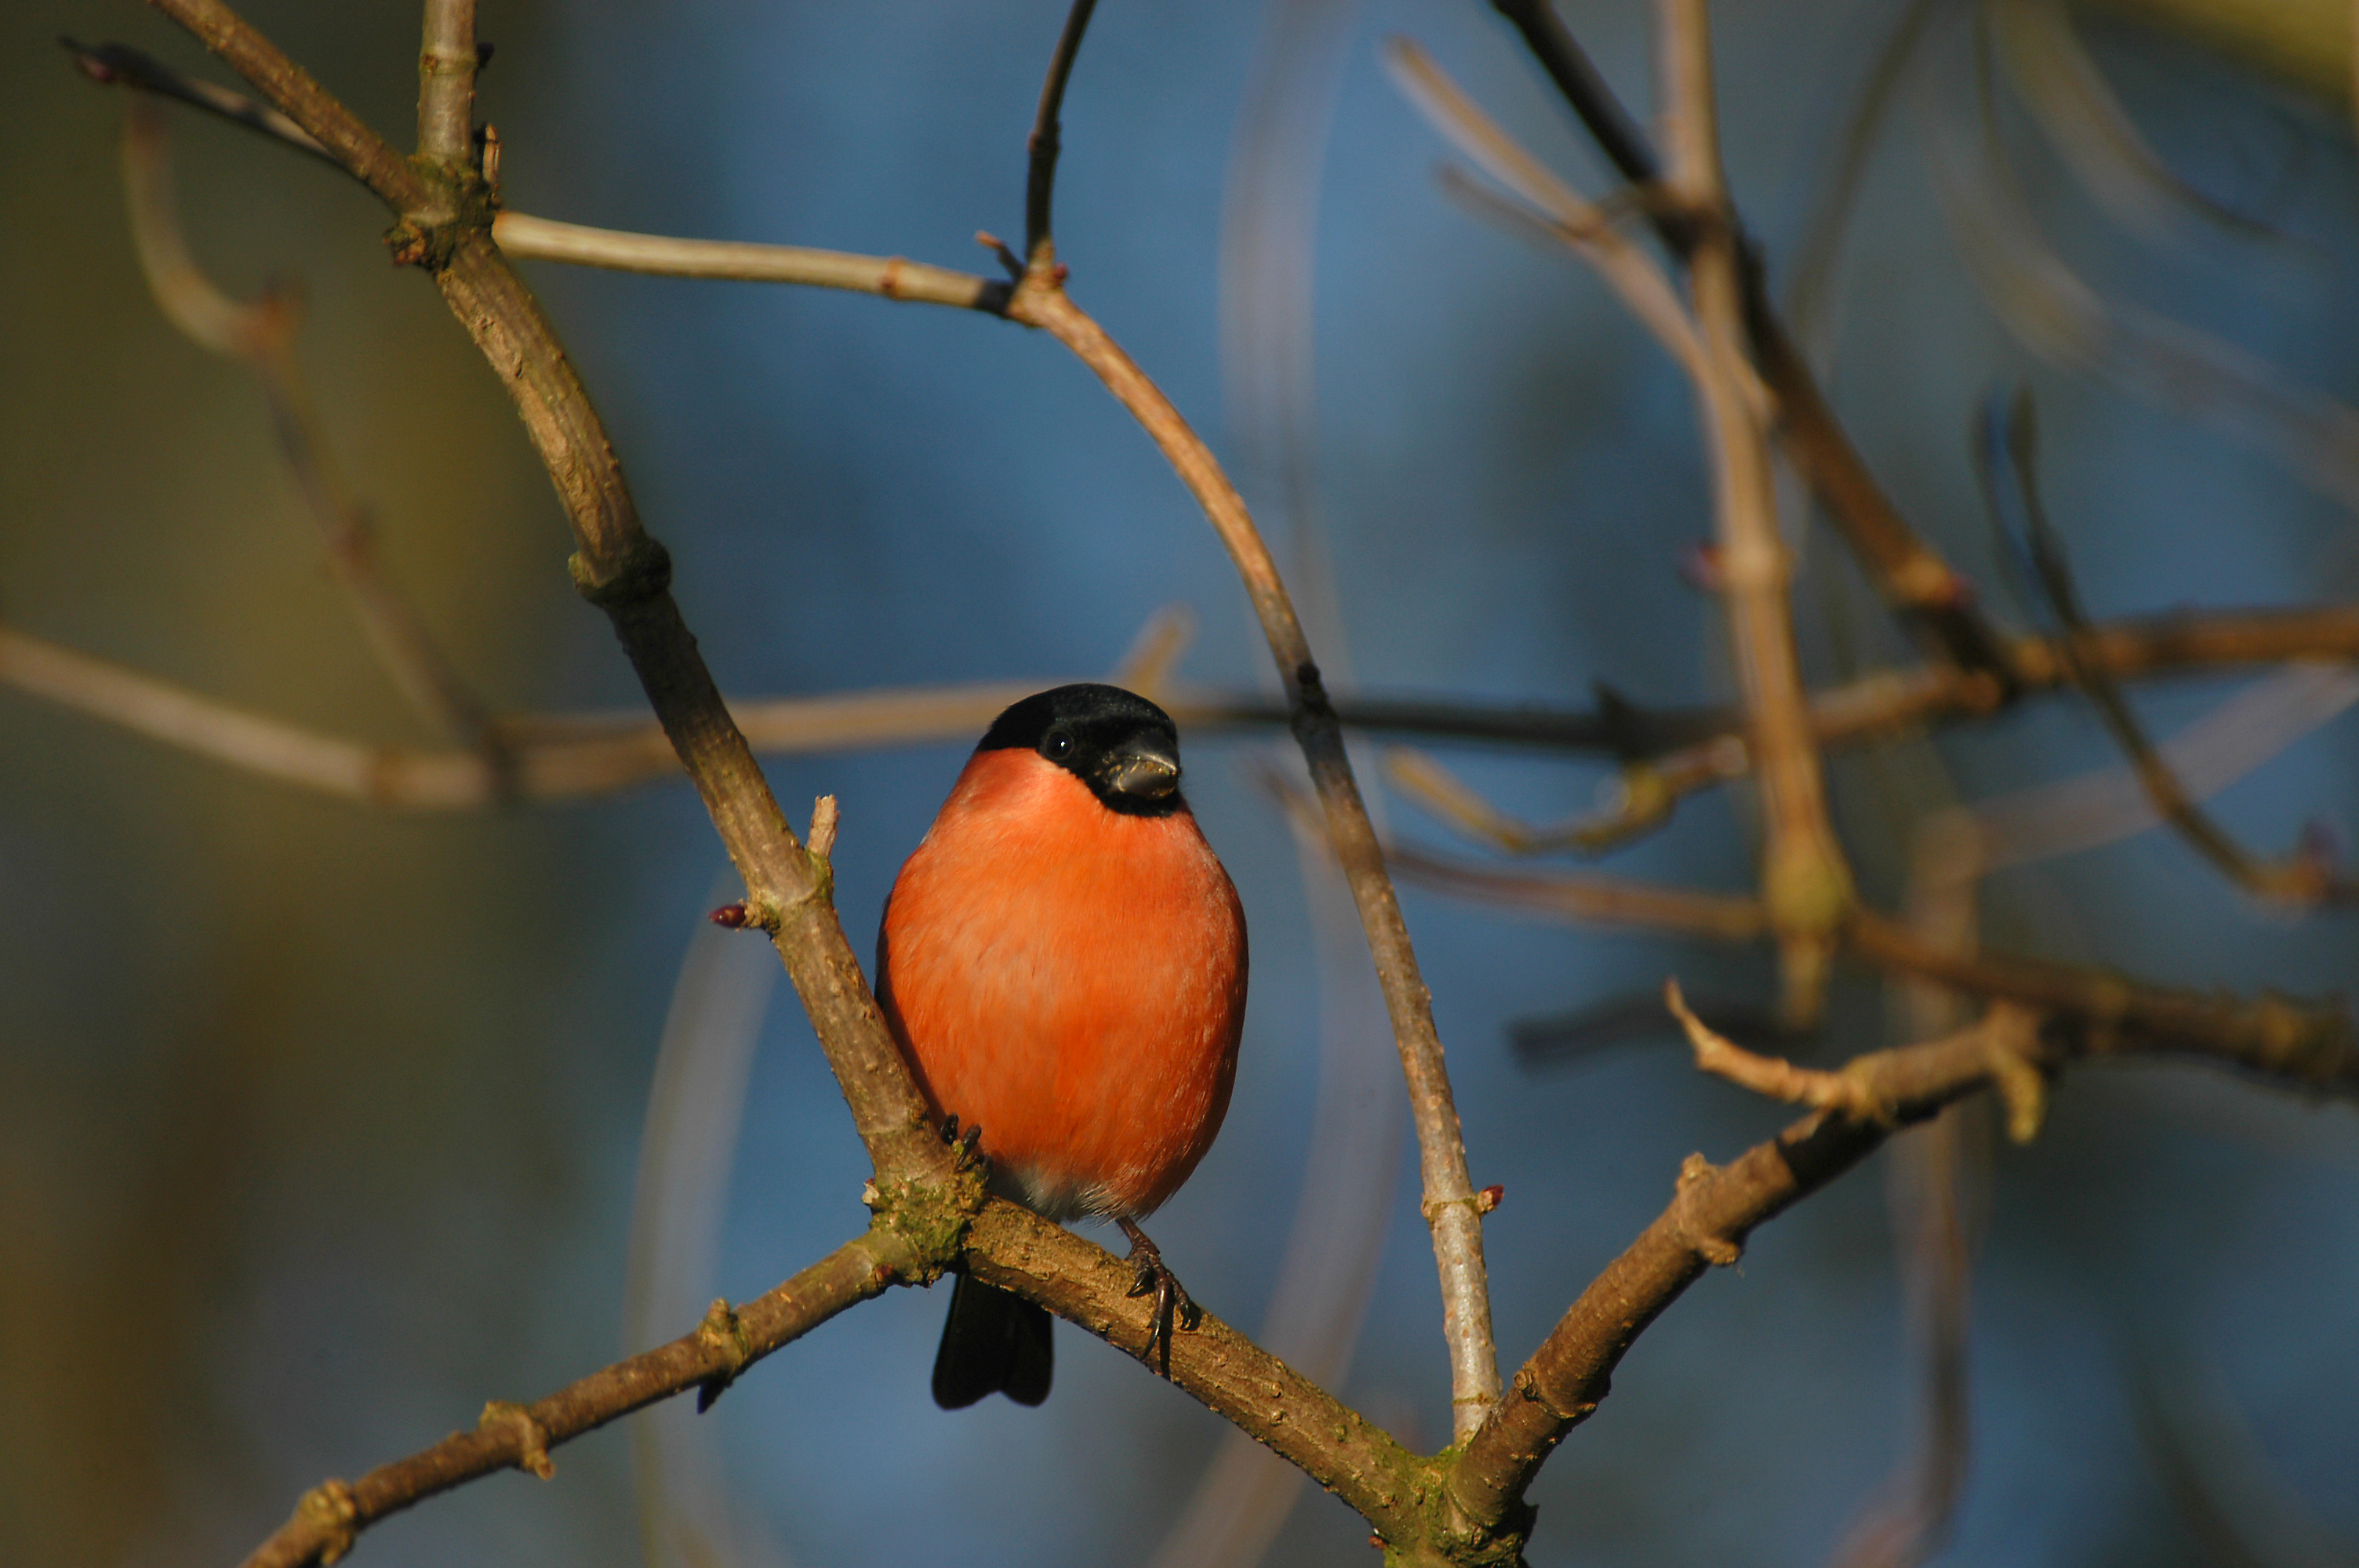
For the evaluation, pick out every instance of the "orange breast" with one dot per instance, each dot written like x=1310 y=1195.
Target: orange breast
x=1071 y=979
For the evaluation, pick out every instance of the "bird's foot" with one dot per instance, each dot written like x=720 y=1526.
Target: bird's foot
x=970 y=1156
x=1171 y=1298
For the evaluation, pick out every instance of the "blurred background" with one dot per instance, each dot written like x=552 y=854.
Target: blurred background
x=321 y=1124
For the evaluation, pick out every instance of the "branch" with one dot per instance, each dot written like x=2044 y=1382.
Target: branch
x=1046 y=139
x=1616 y=135
x=2296 y=1045
x=628 y=573
x=1041 y=300
x=1011 y=1247
x=2291 y=1044
x=523 y=237
x=120 y=65
x=1771 y=1076
x=1909 y=574
x=1805 y=884
x=332 y=1515
x=262 y=335
x=1641 y=798
x=1591 y=900
x=1716 y=1209
x=446 y=85
x=1562 y=213
x=358 y=150
x=579 y=755
x=2008 y=448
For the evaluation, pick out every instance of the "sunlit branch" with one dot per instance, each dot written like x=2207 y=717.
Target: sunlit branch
x=524 y=237
x=1560 y=210
x=1041 y=300
x=1714 y=1210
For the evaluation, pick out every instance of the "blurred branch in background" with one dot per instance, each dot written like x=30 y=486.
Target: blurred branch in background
x=1806 y=880
x=263 y=336
x=1933 y=1173
x=2009 y=458
x=1908 y=573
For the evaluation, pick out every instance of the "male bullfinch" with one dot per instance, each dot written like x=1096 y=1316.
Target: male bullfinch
x=1063 y=965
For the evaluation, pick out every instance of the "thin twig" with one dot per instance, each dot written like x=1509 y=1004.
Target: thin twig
x=524 y=237
x=263 y=336
x=446 y=85
x=1806 y=883
x=1565 y=213
x=2009 y=470
x=120 y=65
x=1642 y=802
x=331 y=1516
x=1047 y=137
x=1772 y=1076
x=1610 y=903
x=1450 y=1201
x=1714 y=1210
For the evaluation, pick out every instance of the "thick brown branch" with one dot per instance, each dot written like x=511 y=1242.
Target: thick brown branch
x=628 y=573
x=361 y=151
x=1715 y=1209
x=520 y=1436
x=1016 y=1250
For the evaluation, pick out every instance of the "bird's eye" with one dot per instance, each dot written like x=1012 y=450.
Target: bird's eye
x=1058 y=746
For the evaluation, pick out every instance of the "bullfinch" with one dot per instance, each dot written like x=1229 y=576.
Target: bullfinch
x=1063 y=966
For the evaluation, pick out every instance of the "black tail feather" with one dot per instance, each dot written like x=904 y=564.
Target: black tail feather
x=993 y=1342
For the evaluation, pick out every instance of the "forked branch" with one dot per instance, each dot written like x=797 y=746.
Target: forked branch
x=1714 y=1210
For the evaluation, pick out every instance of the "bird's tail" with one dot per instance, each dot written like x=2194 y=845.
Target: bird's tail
x=993 y=1342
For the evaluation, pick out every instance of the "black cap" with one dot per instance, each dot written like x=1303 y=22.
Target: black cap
x=1121 y=745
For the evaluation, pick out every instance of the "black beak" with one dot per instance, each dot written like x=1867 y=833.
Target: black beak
x=1144 y=766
